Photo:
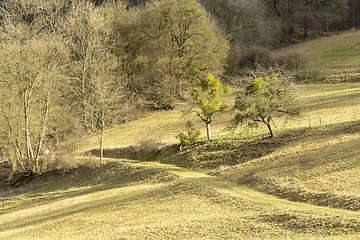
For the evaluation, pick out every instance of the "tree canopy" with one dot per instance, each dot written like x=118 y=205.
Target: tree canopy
x=263 y=97
x=73 y=66
x=207 y=100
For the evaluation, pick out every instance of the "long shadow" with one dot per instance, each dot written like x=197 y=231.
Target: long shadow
x=306 y=163
x=85 y=180
x=78 y=208
x=346 y=100
x=98 y=180
x=188 y=185
x=229 y=152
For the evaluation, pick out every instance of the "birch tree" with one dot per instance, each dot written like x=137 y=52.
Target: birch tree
x=82 y=38
x=31 y=55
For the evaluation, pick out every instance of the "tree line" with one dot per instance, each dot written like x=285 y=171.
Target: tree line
x=70 y=67
x=272 y=22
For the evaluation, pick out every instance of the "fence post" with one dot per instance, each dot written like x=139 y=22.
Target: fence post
x=309 y=122
x=320 y=121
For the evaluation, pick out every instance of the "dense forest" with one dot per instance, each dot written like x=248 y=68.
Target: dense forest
x=70 y=67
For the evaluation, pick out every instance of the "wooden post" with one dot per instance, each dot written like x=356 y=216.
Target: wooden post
x=309 y=122
x=320 y=121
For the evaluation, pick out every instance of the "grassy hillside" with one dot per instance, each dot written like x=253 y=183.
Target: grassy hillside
x=333 y=103
x=301 y=184
x=332 y=59
x=192 y=205
x=319 y=166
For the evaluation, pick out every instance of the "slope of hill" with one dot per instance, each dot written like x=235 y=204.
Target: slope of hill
x=302 y=184
x=321 y=167
x=331 y=59
x=169 y=203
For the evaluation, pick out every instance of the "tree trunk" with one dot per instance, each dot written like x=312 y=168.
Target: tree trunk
x=208 y=133
x=101 y=145
x=291 y=29
x=270 y=130
x=29 y=151
x=354 y=14
x=306 y=19
x=14 y=142
x=42 y=133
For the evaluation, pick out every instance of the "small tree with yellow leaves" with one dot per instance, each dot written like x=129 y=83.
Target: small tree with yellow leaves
x=265 y=96
x=207 y=100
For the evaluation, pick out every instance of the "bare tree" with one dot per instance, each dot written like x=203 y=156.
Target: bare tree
x=31 y=53
x=105 y=103
x=96 y=83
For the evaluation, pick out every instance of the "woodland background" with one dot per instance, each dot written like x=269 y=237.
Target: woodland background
x=71 y=67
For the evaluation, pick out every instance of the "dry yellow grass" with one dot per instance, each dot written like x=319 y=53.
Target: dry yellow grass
x=129 y=199
x=195 y=206
x=162 y=201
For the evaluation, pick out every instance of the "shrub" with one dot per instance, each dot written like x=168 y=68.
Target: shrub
x=253 y=57
x=191 y=136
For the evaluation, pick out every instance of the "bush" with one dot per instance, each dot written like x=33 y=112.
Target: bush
x=192 y=135
x=253 y=57
x=291 y=60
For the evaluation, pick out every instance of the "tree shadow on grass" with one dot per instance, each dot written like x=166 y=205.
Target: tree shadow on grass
x=232 y=151
x=55 y=186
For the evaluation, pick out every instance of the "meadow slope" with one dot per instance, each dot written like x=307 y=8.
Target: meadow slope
x=330 y=59
x=301 y=184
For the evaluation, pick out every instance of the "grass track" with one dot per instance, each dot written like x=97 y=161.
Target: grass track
x=193 y=206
